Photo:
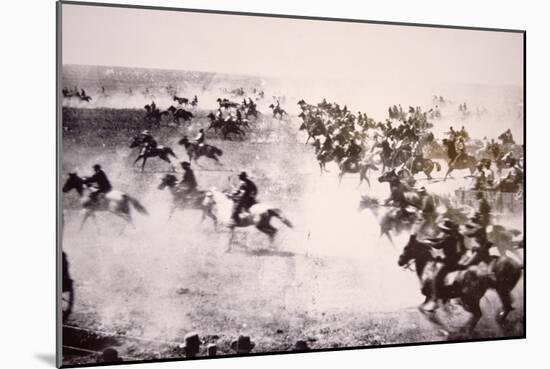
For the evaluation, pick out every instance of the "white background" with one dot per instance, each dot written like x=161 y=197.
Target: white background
x=27 y=207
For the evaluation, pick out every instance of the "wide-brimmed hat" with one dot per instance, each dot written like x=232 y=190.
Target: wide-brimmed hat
x=146 y=132
x=185 y=164
x=97 y=166
x=243 y=345
x=243 y=175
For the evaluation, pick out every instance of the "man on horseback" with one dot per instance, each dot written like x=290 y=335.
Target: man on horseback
x=353 y=154
x=100 y=182
x=188 y=184
x=244 y=197
x=514 y=180
x=148 y=142
x=452 y=245
x=478 y=232
x=480 y=182
x=489 y=174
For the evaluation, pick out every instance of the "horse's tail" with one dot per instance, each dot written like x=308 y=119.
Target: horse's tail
x=278 y=213
x=137 y=205
x=437 y=166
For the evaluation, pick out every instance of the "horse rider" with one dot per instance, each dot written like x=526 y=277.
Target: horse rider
x=515 y=175
x=239 y=116
x=460 y=148
x=480 y=182
x=327 y=145
x=188 y=184
x=463 y=133
x=489 y=174
x=100 y=183
x=353 y=153
x=476 y=231
x=427 y=208
x=452 y=134
x=148 y=142
x=483 y=212
x=219 y=114
x=452 y=245
x=200 y=138
x=244 y=197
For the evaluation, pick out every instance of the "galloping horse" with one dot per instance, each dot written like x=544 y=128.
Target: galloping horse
x=470 y=284
x=226 y=104
x=465 y=161
x=259 y=215
x=416 y=165
x=180 y=114
x=116 y=202
x=392 y=219
x=195 y=151
x=226 y=126
x=162 y=152
x=277 y=110
x=360 y=167
x=197 y=200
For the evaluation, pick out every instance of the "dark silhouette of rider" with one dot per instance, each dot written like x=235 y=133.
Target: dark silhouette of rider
x=452 y=245
x=149 y=143
x=188 y=183
x=244 y=197
x=100 y=182
x=353 y=153
x=480 y=182
x=200 y=137
x=476 y=230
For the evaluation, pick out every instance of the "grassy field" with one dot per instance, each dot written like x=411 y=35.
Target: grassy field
x=330 y=280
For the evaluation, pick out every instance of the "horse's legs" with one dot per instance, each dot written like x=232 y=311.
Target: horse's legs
x=231 y=237
x=432 y=317
x=448 y=173
x=85 y=217
x=138 y=158
x=143 y=164
x=506 y=299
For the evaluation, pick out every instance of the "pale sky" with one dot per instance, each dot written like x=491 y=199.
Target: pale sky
x=289 y=47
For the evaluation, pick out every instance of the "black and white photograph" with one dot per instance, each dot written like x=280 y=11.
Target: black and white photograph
x=237 y=184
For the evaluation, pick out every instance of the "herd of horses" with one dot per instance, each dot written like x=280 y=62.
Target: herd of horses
x=501 y=274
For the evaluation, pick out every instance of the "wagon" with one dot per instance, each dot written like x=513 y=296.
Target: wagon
x=500 y=202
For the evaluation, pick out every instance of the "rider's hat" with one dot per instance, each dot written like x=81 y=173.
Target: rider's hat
x=446 y=225
x=97 y=167
x=146 y=132
x=185 y=164
x=422 y=189
x=243 y=175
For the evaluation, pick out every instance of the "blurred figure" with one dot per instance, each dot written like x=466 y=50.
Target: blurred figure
x=244 y=197
x=452 y=245
x=188 y=184
x=100 y=184
x=149 y=142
